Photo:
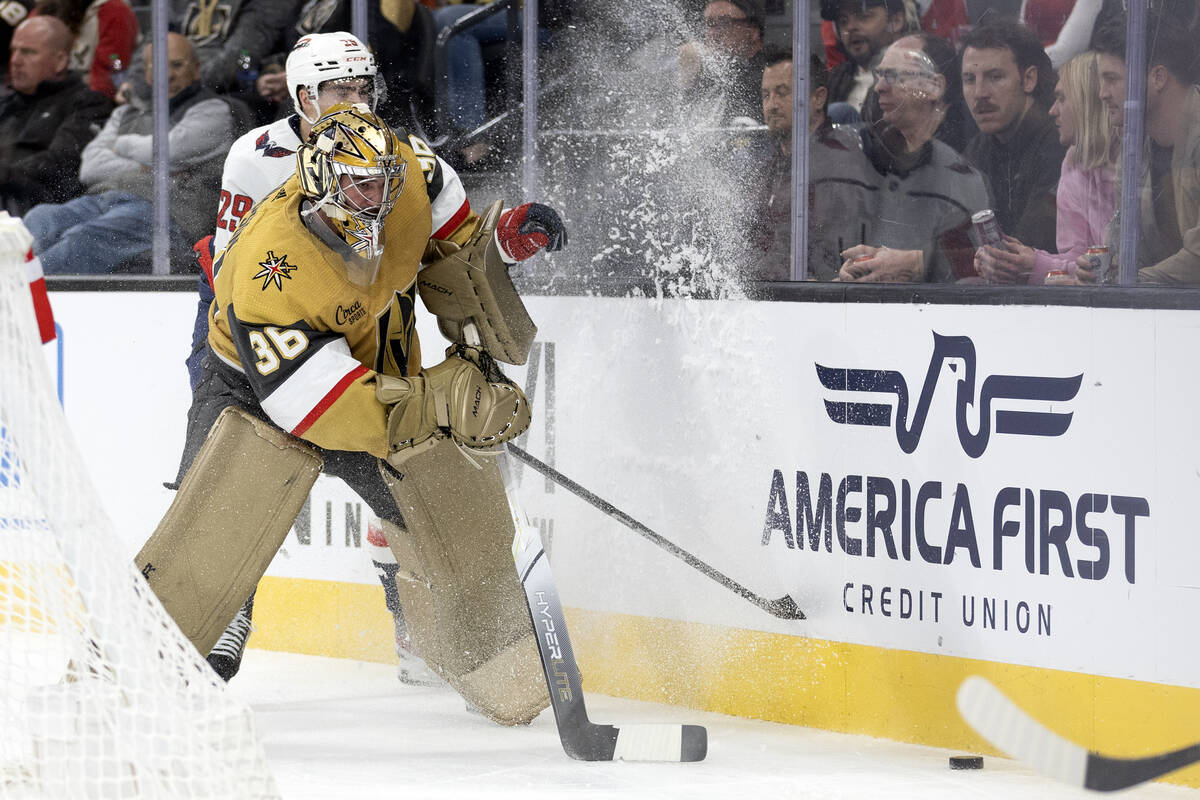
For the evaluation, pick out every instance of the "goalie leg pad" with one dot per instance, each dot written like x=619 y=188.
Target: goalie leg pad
x=473 y=283
x=231 y=514
x=462 y=598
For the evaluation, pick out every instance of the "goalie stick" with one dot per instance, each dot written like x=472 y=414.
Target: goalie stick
x=581 y=738
x=1003 y=723
x=783 y=607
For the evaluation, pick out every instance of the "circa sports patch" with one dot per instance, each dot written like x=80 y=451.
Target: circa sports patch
x=274 y=270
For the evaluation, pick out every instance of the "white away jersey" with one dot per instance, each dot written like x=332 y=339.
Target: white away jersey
x=259 y=161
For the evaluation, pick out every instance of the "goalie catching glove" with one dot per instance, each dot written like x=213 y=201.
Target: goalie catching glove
x=524 y=230
x=452 y=399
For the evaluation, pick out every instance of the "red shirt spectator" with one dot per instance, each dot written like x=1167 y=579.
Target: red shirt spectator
x=1046 y=17
x=945 y=18
x=104 y=31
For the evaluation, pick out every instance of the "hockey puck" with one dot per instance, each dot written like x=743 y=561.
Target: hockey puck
x=966 y=762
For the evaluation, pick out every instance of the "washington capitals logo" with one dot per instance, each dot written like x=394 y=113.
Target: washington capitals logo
x=269 y=149
x=950 y=350
x=274 y=270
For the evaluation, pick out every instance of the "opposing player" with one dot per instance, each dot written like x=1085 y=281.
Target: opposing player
x=314 y=364
x=323 y=69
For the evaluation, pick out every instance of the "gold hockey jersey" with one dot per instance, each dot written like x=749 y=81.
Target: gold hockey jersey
x=310 y=341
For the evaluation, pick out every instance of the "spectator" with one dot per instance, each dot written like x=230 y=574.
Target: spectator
x=99 y=232
x=401 y=37
x=1008 y=86
x=1064 y=27
x=1169 y=229
x=1047 y=18
x=866 y=28
x=945 y=18
x=771 y=228
x=225 y=35
x=46 y=120
x=465 y=79
x=721 y=75
x=1109 y=44
x=105 y=32
x=957 y=127
x=835 y=54
x=899 y=210
x=12 y=14
x=1086 y=197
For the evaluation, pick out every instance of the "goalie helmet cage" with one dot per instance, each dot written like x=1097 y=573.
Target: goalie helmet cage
x=101 y=696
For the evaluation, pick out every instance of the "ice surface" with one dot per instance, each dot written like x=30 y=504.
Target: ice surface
x=349 y=730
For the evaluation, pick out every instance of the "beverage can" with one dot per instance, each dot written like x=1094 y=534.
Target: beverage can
x=1101 y=260
x=1057 y=277
x=987 y=229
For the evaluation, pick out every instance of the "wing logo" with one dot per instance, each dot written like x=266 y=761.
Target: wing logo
x=957 y=353
x=274 y=270
x=265 y=145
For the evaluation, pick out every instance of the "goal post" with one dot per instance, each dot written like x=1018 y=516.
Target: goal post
x=101 y=695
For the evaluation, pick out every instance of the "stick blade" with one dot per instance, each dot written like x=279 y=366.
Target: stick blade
x=1003 y=723
x=586 y=741
x=661 y=742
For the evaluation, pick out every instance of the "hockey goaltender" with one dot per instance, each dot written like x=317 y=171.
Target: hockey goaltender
x=291 y=388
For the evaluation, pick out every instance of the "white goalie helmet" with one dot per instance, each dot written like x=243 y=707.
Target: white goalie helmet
x=319 y=58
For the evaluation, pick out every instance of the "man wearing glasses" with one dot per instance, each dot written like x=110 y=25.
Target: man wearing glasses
x=722 y=72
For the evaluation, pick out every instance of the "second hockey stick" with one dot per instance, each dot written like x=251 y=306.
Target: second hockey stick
x=783 y=607
x=581 y=738
x=1006 y=725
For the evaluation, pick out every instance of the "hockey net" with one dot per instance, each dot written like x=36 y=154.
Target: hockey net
x=100 y=693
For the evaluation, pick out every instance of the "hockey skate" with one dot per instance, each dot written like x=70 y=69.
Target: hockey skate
x=412 y=670
x=226 y=655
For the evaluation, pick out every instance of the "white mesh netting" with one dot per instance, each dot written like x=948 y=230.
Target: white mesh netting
x=101 y=696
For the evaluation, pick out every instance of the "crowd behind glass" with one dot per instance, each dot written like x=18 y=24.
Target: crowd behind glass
x=949 y=141
x=978 y=159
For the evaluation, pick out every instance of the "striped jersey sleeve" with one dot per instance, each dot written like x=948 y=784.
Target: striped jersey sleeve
x=448 y=202
x=449 y=205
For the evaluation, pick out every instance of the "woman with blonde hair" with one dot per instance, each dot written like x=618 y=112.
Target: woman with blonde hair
x=1086 y=198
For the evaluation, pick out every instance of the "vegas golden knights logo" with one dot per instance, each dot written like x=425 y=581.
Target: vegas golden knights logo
x=394 y=329
x=206 y=20
x=314 y=14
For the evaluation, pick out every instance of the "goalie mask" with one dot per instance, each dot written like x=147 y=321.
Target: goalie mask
x=334 y=68
x=352 y=171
